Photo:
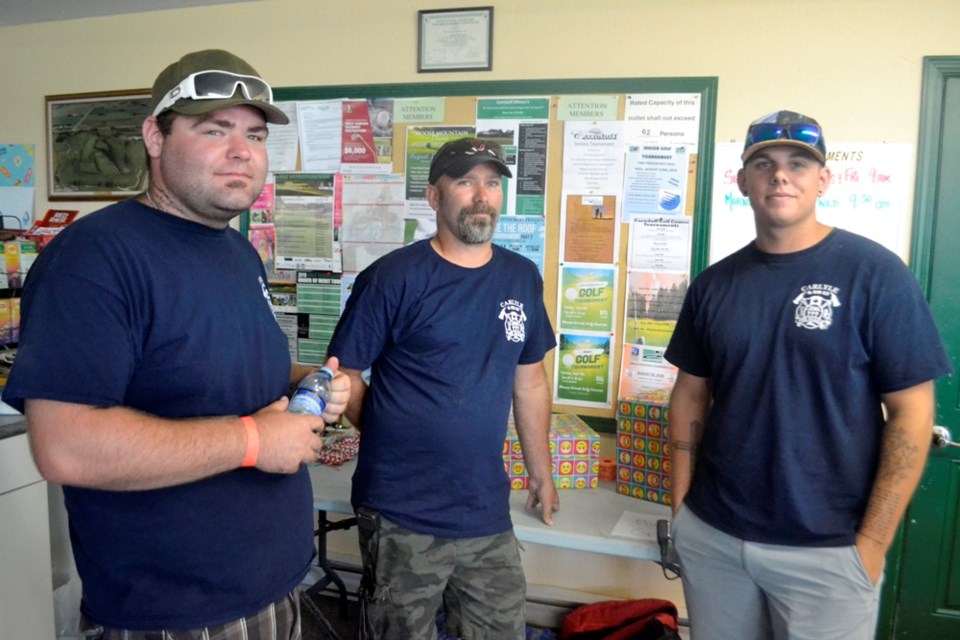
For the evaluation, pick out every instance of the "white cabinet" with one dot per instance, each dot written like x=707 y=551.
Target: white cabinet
x=26 y=591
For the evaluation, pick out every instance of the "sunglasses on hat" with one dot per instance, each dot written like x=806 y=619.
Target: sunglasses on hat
x=215 y=85
x=808 y=134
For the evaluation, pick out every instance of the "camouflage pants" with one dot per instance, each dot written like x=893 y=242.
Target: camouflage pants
x=277 y=621
x=408 y=576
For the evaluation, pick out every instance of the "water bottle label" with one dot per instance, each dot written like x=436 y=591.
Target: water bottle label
x=305 y=401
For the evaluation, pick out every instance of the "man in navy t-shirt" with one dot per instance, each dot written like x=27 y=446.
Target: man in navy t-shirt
x=453 y=329
x=789 y=478
x=153 y=374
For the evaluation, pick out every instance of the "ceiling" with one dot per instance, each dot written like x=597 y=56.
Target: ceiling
x=19 y=12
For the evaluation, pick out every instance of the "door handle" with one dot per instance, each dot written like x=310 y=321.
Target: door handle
x=942 y=438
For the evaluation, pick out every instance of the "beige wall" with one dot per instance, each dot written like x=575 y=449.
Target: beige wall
x=853 y=64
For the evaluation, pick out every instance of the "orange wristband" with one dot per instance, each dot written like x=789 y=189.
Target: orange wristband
x=253 y=441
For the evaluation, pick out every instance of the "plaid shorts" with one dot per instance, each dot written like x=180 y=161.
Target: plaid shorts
x=278 y=621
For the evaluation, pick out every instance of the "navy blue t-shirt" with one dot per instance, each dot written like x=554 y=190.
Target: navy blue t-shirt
x=799 y=348
x=444 y=343
x=133 y=307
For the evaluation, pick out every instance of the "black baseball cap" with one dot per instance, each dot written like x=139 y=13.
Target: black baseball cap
x=457 y=157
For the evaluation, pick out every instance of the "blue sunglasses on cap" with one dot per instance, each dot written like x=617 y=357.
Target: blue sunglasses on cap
x=808 y=134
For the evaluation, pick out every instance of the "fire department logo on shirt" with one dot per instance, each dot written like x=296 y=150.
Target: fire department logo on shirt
x=815 y=306
x=511 y=312
x=266 y=293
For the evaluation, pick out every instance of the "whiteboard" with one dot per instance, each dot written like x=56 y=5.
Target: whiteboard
x=868 y=195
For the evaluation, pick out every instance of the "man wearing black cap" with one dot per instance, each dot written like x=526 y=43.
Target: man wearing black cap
x=452 y=328
x=153 y=375
x=802 y=415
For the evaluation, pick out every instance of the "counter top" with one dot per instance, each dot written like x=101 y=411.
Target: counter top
x=586 y=520
x=12 y=426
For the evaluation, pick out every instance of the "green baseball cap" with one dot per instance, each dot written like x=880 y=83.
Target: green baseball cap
x=206 y=81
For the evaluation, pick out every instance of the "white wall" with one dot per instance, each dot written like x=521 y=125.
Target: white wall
x=855 y=65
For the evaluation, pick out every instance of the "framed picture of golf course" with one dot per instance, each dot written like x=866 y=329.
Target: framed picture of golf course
x=95 y=145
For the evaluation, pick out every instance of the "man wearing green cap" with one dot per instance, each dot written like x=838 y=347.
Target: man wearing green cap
x=153 y=376
x=802 y=414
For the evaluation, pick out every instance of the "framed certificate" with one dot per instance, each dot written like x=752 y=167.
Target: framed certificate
x=455 y=40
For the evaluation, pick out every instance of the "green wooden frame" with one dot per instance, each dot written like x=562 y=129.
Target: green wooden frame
x=936 y=70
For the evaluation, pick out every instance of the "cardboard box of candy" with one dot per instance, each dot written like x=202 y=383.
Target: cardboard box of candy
x=574 y=452
x=42 y=231
x=643 y=448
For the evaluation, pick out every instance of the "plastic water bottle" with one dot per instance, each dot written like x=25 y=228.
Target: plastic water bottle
x=312 y=393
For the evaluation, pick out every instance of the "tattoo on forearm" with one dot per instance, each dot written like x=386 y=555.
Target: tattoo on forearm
x=870 y=537
x=693 y=444
x=882 y=514
x=897 y=456
x=898 y=459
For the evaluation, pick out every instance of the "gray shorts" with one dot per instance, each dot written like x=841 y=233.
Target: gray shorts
x=753 y=591
x=408 y=576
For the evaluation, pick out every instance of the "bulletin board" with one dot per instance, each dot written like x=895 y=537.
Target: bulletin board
x=461 y=99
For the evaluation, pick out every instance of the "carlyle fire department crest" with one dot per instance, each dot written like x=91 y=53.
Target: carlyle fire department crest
x=815 y=306
x=511 y=312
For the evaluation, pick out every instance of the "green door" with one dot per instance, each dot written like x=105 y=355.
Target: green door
x=928 y=591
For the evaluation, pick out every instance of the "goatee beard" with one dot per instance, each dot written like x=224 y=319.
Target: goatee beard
x=478 y=232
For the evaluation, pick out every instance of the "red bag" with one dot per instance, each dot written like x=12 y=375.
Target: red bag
x=646 y=619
